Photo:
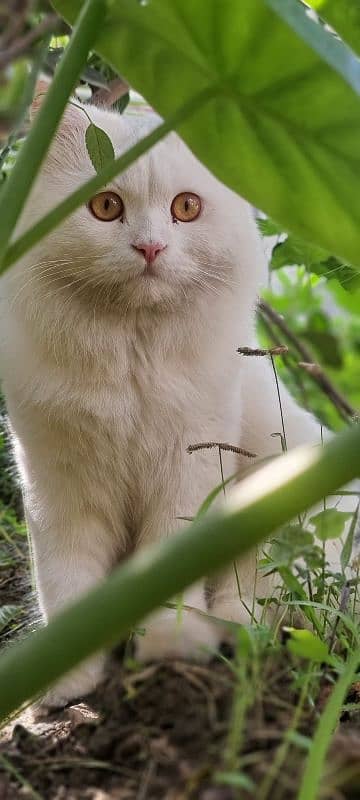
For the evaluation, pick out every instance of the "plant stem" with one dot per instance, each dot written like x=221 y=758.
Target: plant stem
x=318 y=375
x=283 y=749
x=311 y=782
x=17 y=188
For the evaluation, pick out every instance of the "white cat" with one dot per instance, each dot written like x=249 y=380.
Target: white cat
x=119 y=334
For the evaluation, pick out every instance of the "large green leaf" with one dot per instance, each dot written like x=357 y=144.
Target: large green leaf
x=343 y=15
x=282 y=127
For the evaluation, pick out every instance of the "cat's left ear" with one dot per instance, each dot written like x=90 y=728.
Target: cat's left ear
x=73 y=117
x=41 y=88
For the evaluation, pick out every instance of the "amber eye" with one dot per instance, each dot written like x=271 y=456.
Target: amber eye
x=106 y=206
x=186 y=207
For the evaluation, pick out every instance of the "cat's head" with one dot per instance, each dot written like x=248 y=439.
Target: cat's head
x=163 y=231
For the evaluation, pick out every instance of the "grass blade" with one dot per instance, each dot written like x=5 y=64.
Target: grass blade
x=311 y=782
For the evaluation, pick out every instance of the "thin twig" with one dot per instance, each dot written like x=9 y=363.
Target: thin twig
x=146 y=780
x=344 y=600
x=283 y=440
x=279 y=350
x=288 y=360
x=315 y=371
x=222 y=446
x=24 y=43
x=279 y=321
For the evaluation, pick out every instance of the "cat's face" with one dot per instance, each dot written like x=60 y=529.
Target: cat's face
x=158 y=233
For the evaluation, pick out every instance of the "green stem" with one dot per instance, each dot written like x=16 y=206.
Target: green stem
x=39 y=57
x=113 y=168
x=259 y=505
x=35 y=147
x=311 y=782
x=283 y=749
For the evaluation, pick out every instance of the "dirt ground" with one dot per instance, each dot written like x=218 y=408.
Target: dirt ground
x=165 y=732
x=162 y=734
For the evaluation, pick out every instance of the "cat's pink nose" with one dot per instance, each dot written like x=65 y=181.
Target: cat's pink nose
x=149 y=251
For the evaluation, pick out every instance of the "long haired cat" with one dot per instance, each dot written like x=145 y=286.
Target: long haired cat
x=119 y=333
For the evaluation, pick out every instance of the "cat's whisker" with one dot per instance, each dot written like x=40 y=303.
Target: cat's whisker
x=219 y=278
x=196 y=280
x=41 y=276
x=28 y=283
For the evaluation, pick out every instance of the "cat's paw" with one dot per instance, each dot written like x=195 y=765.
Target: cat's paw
x=192 y=638
x=78 y=683
x=232 y=609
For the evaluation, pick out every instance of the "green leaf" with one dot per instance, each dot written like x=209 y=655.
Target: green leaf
x=99 y=147
x=345 y=274
x=343 y=16
x=268 y=227
x=326 y=344
x=312 y=779
x=213 y=495
x=304 y=742
x=291 y=543
x=348 y=546
x=305 y=644
x=282 y=127
x=121 y=104
x=295 y=587
x=325 y=44
x=330 y=523
x=295 y=251
x=238 y=779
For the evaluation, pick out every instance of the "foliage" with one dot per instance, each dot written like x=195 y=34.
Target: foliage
x=277 y=119
x=320 y=302
x=257 y=100
x=344 y=16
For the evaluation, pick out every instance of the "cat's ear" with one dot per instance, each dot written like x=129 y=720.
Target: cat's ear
x=41 y=88
x=73 y=117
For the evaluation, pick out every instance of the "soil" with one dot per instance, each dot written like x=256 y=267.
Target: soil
x=162 y=734
x=147 y=734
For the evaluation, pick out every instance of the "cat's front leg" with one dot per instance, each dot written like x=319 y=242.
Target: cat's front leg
x=69 y=558
x=235 y=592
x=183 y=632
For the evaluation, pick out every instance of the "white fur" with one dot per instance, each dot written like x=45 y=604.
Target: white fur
x=110 y=375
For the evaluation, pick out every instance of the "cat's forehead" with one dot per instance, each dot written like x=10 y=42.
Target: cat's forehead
x=169 y=164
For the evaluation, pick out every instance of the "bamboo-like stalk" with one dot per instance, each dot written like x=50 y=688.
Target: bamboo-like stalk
x=34 y=149
x=261 y=503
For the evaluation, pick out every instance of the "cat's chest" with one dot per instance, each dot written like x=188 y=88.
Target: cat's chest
x=126 y=394
x=132 y=385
